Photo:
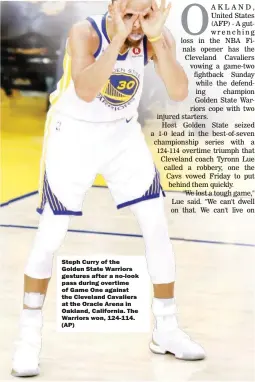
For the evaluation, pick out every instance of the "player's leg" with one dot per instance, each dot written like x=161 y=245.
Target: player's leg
x=65 y=180
x=167 y=337
x=134 y=181
x=51 y=232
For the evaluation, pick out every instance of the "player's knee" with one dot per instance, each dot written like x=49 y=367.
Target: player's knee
x=45 y=245
x=39 y=264
x=151 y=218
x=51 y=233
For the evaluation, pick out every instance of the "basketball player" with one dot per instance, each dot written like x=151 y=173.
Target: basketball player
x=92 y=128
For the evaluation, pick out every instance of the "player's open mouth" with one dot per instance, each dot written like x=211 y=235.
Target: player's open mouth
x=135 y=36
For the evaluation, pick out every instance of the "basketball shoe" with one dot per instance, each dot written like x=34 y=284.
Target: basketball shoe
x=168 y=338
x=25 y=362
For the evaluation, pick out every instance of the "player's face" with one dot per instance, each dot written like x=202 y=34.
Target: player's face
x=136 y=7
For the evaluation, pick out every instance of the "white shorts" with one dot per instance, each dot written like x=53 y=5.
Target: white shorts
x=76 y=151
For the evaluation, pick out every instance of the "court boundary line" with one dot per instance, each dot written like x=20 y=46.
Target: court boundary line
x=18 y=198
x=134 y=236
x=5 y=204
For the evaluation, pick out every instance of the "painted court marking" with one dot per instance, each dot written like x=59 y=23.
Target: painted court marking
x=5 y=204
x=115 y=233
x=133 y=235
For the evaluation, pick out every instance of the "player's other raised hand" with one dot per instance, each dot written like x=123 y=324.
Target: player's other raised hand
x=153 y=23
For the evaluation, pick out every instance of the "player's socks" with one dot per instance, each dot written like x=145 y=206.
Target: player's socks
x=167 y=337
x=26 y=356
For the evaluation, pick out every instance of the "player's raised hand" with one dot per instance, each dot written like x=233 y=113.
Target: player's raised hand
x=118 y=10
x=154 y=22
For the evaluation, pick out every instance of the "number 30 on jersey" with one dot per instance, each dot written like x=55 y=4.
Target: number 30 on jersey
x=120 y=89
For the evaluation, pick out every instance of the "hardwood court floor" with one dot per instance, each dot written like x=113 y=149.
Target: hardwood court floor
x=215 y=295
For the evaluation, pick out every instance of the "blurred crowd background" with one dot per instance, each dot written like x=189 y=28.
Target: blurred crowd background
x=33 y=41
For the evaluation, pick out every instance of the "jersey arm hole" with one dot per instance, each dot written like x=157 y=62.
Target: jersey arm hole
x=145 y=49
x=94 y=25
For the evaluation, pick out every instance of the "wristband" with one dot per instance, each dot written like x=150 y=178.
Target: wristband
x=155 y=39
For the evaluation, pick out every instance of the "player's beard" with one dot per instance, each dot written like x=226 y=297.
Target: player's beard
x=133 y=43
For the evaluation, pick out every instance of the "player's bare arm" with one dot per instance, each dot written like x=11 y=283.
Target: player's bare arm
x=89 y=76
x=162 y=50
